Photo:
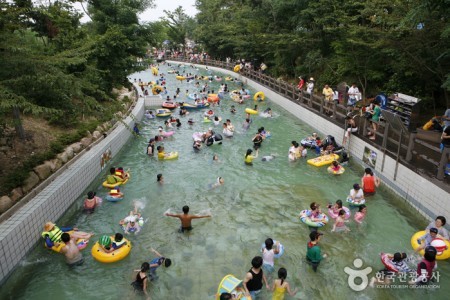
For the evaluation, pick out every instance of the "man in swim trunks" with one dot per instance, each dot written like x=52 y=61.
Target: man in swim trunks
x=186 y=218
x=71 y=251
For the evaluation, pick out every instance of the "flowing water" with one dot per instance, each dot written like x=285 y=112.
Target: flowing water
x=255 y=202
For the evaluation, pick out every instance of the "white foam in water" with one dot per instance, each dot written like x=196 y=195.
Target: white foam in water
x=167 y=211
x=37 y=261
x=139 y=203
x=205 y=212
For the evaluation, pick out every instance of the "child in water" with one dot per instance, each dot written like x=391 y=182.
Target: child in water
x=361 y=214
x=339 y=224
x=280 y=286
x=335 y=166
x=220 y=181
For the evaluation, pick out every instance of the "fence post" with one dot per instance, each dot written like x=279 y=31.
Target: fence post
x=365 y=127
x=412 y=137
x=443 y=163
x=321 y=105
x=310 y=99
x=385 y=136
x=334 y=111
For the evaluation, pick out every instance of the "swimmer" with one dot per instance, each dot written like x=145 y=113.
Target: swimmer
x=157 y=262
x=268 y=254
x=335 y=166
x=361 y=214
x=197 y=145
x=233 y=109
x=161 y=153
x=191 y=121
x=217 y=120
x=226 y=130
x=71 y=251
x=426 y=239
x=186 y=218
x=268 y=157
x=248 y=159
x=291 y=156
x=280 y=286
x=141 y=282
x=229 y=125
x=215 y=157
x=356 y=194
x=339 y=224
x=220 y=181
x=160 y=179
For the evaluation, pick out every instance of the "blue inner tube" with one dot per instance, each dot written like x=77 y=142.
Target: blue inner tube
x=112 y=199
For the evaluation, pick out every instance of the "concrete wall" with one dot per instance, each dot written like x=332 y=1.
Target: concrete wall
x=20 y=233
x=429 y=199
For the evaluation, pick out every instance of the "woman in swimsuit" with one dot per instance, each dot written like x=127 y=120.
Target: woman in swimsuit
x=140 y=284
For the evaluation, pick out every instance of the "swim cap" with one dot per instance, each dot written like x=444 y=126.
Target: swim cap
x=104 y=240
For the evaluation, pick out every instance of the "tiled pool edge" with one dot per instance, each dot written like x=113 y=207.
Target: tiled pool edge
x=20 y=233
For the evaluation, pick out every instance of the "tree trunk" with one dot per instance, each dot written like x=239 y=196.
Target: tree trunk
x=18 y=123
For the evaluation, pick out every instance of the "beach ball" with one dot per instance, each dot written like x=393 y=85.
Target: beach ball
x=439 y=244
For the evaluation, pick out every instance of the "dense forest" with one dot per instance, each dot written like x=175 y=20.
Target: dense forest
x=62 y=70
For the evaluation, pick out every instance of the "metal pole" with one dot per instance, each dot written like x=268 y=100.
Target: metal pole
x=385 y=135
x=398 y=154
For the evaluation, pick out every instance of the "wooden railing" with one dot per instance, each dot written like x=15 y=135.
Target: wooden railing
x=420 y=156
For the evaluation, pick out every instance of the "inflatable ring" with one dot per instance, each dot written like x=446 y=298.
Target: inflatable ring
x=260 y=95
x=305 y=218
x=168 y=133
x=172 y=155
x=114 y=256
x=387 y=262
x=154 y=71
x=197 y=136
x=280 y=246
x=438 y=243
x=169 y=105
x=218 y=78
x=213 y=98
x=334 y=215
x=339 y=172
x=230 y=284
x=81 y=244
x=229 y=78
x=323 y=160
x=353 y=203
x=111 y=198
x=180 y=78
x=251 y=111
x=237 y=68
x=114 y=185
x=157 y=89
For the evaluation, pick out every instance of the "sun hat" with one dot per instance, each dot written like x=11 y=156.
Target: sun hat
x=49 y=226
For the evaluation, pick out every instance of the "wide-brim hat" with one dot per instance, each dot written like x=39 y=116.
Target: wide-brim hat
x=48 y=226
x=311 y=79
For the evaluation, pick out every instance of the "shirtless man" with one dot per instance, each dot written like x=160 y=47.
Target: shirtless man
x=71 y=251
x=186 y=218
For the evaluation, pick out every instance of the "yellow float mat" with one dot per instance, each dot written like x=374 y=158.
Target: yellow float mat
x=323 y=160
x=114 y=256
x=443 y=256
x=113 y=185
x=230 y=284
x=181 y=78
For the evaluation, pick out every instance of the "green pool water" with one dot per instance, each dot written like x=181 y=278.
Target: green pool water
x=256 y=202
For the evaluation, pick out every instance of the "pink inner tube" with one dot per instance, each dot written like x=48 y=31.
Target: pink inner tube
x=388 y=263
x=168 y=133
x=335 y=215
x=245 y=96
x=218 y=78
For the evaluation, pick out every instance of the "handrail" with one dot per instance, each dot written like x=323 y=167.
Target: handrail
x=400 y=145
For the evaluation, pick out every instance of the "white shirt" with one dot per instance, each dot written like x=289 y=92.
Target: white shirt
x=310 y=87
x=357 y=195
x=353 y=92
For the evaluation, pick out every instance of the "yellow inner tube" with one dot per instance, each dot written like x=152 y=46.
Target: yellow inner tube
x=339 y=172
x=181 y=78
x=228 y=78
x=442 y=256
x=260 y=94
x=251 y=111
x=114 y=256
x=157 y=89
x=237 y=68
x=61 y=244
x=172 y=155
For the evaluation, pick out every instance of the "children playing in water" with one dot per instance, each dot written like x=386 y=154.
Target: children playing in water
x=141 y=281
x=356 y=194
x=335 y=167
x=253 y=281
x=426 y=239
x=160 y=179
x=52 y=234
x=156 y=263
x=268 y=254
x=313 y=253
x=248 y=159
x=360 y=214
x=339 y=224
x=186 y=218
x=281 y=286
x=91 y=202
x=220 y=181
